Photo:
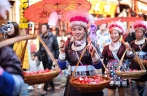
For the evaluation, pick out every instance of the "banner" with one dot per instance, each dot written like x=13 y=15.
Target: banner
x=141 y=7
x=23 y=21
x=102 y=7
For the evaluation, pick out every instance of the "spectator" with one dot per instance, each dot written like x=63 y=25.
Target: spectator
x=92 y=34
x=103 y=40
x=20 y=48
x=51 y=41
x=34 y=66
x=103 y=37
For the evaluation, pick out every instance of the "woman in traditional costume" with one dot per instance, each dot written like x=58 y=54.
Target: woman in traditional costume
x=113 y=52
x=140 y=47
x=72 y=51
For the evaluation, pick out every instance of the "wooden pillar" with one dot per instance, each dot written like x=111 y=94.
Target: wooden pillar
x=129 y=15
x=135 y=6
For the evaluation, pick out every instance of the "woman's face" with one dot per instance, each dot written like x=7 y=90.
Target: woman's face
x=114 y=35
x=11 y=33
x=139 y=34
x=78 y=32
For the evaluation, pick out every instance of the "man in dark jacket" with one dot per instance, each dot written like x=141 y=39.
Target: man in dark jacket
x=51 y=41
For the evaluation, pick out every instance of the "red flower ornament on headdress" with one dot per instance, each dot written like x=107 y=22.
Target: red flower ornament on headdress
x=119 y=26
x=78 y=20
x=79 y=17
x=140 y=25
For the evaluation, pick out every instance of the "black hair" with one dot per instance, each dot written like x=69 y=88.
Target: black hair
x=34 y=54
x=16 y=30
x=118 y=33
x=47 y=26
x=50 y=29
x=68 y=33
x=85 y=29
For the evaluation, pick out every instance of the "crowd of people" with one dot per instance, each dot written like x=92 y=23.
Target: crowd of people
x=102 y=46
x=107 y=45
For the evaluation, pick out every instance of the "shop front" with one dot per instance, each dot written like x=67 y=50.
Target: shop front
x=104 y=8
x=141 y=9
x=109 y=8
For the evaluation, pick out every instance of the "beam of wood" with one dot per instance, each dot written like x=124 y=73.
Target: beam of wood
x=8 y=42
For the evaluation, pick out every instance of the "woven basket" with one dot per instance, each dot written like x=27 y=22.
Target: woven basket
x=43 y=77
x=134 y=74
x=88 y=87
x=91 y=87
x=144 y=62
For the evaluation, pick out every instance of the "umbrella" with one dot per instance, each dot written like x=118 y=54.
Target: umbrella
x=41 y=11
x=122 y=19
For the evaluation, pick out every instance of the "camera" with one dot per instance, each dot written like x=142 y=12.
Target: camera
x=6 y=27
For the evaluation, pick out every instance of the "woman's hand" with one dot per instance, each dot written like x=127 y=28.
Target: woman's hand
x=62 y=46
x=104 y=44
x=128 y=46
x=91 y=50
x=90 y=47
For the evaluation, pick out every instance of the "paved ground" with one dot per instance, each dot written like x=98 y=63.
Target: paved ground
x=59 y=88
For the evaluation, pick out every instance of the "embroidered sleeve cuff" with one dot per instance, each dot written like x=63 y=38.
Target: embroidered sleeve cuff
x=62 y=56
x=98 y=65
x=62 y=65
x=96 y=58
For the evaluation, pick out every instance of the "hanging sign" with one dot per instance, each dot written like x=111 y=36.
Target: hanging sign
x=23 y=21
x=142 y=7
x=110 y=8
x=102 y=7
